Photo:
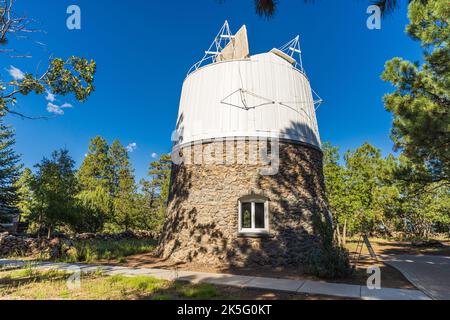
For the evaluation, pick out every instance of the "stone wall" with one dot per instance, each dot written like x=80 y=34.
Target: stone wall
x=202 y=218
x=32 y=246
x=23 y=246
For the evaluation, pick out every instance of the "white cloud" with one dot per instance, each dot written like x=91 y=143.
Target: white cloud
x=132 y=147
x=50 y=97
x=16 y=73
x=154 y=155
x=53 y=108
x=66 y=105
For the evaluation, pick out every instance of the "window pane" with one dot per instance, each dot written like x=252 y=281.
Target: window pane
x=246 y=221
x=259 y=216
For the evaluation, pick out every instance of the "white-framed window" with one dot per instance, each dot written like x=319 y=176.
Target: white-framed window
x=254 y=215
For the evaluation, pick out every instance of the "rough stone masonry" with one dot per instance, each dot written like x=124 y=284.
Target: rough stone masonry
x=202 y=218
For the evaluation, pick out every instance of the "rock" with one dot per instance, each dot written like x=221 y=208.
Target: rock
x=59 y=235
x=85 y=236
x=55 y=252
x=118 y=236
x=12 y=245
x=71 y=251
x=56 y=242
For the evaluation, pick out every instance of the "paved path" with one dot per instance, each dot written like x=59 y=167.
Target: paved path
x=271 y=284
x=431 y=274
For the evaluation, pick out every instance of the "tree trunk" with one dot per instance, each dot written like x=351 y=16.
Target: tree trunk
x=338 y=235
x=39 y=225
x=344 y=233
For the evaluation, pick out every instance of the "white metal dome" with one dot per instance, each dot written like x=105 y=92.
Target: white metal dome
x=263 y=95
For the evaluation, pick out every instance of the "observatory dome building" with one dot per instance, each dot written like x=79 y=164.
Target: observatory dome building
x=247 y=182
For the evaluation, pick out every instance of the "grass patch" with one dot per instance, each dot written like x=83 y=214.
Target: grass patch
x=32 y=284
x=95 y=250
x=23 y=273
x=140 y=283
x=200 y=291
x=162 y=297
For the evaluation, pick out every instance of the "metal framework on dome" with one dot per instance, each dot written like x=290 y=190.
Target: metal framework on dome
x=225 y=37
x=317 y=100
x=291 y=49
x=222 y=39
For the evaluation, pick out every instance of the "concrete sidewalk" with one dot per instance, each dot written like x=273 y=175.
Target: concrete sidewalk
x=270 y=284
x=431 y=274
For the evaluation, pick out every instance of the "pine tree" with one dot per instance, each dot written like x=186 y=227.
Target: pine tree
x=108 y=190
x=124 y=187
x=96 y=169
x=96 y=188
x=25 y=193
x=9 y=172
x=155 y=193
x=420 y=103
x=420 y=209
x=54 y=189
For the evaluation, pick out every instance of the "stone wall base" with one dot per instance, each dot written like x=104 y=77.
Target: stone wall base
x=202 y=219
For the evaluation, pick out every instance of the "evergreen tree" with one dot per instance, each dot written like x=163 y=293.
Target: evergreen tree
x=122 y=172
x=420 y=103
x=96 y=187
x=108 y=190
x=124 y=187
x=96 y=169
x=420 y=209
x=9 y=172
x=25 y=193
x=93 y=207
x=54 y=188
x=155 y=193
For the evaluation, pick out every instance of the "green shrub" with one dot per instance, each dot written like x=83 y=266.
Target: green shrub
x=326 y=259
x=328 y=262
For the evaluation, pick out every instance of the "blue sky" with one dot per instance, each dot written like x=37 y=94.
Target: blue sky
x=144 y=49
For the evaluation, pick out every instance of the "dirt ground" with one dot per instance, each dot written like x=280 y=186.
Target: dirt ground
x=390 y=277
x=254 y=294
x=390 y=247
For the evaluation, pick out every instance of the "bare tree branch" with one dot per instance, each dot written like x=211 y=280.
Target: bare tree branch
x=11 y=24
x=23 y=116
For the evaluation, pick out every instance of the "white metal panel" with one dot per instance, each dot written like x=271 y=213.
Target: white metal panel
x=264 y=96
x=237 y=48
